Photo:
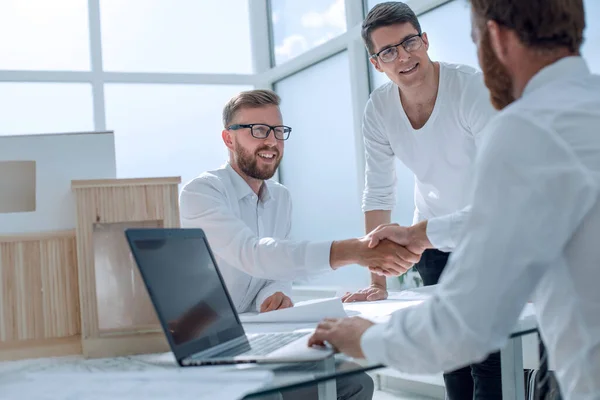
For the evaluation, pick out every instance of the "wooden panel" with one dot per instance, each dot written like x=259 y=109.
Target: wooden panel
x=123 y=301
x=118 y=206
x=55 y=347
x=104 y=183
x=39 y=297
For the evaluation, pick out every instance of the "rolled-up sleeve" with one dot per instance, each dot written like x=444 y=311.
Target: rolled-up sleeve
x=380 y=169
x=203 y=204
x=528 y=201
x=444 y=232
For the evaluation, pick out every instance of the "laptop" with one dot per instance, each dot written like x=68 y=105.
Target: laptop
x=195 y=309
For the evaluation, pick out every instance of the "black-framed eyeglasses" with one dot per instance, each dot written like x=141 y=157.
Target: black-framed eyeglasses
x=410 y=44
x=262 y=131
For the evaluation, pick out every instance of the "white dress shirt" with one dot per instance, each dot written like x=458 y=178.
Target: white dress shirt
x=533 y=234
x=440 y=154
x=250 y=235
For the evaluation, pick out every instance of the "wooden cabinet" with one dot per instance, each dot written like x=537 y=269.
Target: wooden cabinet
x=117 y=317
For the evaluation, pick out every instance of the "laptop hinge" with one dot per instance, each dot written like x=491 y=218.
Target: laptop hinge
x=219 y=348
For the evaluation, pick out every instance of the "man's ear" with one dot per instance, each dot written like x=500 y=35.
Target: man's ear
x=227 y=139
x=425 y=41
x=498 y=39
x=375 y=63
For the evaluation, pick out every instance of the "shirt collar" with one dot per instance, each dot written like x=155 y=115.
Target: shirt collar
x=242 y=189
x=565 y=68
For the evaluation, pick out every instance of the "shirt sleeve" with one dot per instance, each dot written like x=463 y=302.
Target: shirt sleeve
x=444 y=232
x=380 y=169
x=528 y=200
x=203 y=204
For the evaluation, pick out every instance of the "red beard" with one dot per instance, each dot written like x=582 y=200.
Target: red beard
x=496 y=77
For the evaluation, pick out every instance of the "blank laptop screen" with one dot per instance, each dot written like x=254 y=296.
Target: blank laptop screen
x=187 y=291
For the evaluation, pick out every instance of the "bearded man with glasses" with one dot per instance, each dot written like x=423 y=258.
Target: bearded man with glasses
x=431 y=116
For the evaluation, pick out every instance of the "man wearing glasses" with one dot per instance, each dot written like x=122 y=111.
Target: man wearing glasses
x=247 y=217
x=431 y=116
x=247 y=221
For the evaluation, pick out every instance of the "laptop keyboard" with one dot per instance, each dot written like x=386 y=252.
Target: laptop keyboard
x=262 y=344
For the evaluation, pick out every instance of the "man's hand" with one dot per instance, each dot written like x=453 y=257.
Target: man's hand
x=343 y=334
x=276 y=301
x=372 y=293
x=389 y=258
x=414 y=238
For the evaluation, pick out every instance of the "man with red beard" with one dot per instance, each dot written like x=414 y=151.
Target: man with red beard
x=431 y=116
x=247 y=217
x=532 y=232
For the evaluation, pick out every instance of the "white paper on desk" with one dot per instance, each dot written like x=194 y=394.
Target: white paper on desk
x=184 y=384
x=422 y=293
x=381 y=308
x=304 y=311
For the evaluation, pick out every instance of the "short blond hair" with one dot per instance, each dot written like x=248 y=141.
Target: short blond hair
x=251 y=99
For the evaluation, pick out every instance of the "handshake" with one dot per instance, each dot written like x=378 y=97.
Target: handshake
x=396 y=248
x=389 y=250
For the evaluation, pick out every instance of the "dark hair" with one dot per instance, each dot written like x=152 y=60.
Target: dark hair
x=540 y=24
x=386 y=14
x=251 y=99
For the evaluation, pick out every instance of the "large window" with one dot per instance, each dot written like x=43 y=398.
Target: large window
x=166 y=71
x=45 y=108
x=319 y=166
x=172 y=130
x=44 y=35
x=183 y=36
x=299 y=25
x=591 y=49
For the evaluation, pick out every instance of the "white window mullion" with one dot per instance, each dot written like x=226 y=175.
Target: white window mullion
x=260 y=40
x=96 y=63
x=46 y=76
x=359 y=82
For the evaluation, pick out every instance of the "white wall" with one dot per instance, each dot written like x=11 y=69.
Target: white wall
x=59 y=159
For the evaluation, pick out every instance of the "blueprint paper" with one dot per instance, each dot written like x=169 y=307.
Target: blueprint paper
x=188 y=384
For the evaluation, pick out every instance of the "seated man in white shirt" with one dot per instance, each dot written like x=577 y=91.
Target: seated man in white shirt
x=247 y=217
x=533 y=229
x=247 y=221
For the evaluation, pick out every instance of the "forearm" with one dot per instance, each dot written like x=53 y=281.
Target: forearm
x=372 y=220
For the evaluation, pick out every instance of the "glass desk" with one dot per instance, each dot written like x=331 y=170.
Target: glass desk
x=322 y=376
x=285 y=378
x=75 y=377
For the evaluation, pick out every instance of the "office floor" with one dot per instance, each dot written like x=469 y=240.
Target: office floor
x=380 y=395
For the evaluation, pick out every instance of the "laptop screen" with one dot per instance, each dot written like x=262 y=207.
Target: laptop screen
x=187 y=290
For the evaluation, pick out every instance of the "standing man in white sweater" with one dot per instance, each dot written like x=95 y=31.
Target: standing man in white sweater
x=430 y=116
